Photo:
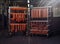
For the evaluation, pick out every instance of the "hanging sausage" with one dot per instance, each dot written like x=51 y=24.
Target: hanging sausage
x=45 y=12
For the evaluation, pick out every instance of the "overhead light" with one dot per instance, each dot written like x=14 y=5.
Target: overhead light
x=28 y=5
x=28 y=1
x=56 y=8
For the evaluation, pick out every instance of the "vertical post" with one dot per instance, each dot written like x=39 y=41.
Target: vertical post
x=2 y=15
x=28 y=15
x=28 y=27
x=9 y=18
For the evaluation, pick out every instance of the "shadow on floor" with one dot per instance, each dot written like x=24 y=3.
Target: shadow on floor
x=55 y=39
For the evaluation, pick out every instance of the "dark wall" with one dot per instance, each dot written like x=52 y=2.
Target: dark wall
x=55 y=25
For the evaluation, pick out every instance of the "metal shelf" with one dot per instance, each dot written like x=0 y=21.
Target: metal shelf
x=18 y=23
x=39 y=21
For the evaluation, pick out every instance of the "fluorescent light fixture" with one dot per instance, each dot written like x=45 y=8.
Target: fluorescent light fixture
x=28 y=5
x=28 y=1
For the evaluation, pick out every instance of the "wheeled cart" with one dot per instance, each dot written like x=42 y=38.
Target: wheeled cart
x=17 y=19
x=39 y=20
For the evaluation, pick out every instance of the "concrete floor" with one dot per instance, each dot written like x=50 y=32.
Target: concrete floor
x=31 y=40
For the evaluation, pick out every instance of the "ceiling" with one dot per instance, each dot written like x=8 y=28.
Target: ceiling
x=45 y=3
x=35 y=3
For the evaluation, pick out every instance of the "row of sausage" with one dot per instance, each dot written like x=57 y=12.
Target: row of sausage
x=36 y=31
x=18 y=17
x=39 y=26
x=39 y=13
x=17 y=27
x=18 y=8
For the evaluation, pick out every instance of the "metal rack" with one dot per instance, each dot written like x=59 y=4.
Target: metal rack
x=42 y=20
x=16 y=21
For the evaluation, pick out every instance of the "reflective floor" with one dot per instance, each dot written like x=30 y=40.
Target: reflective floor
x=31 y=40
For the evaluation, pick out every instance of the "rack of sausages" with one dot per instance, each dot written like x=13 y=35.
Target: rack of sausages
x=39 y=13
x=39 y=20
x=39 y=28
x=17 y=27
x=18 y=17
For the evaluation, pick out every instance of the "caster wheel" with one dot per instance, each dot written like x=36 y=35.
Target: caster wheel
x=31 y=35
x=48 y=36
x=26 y=34
x=10 y=34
